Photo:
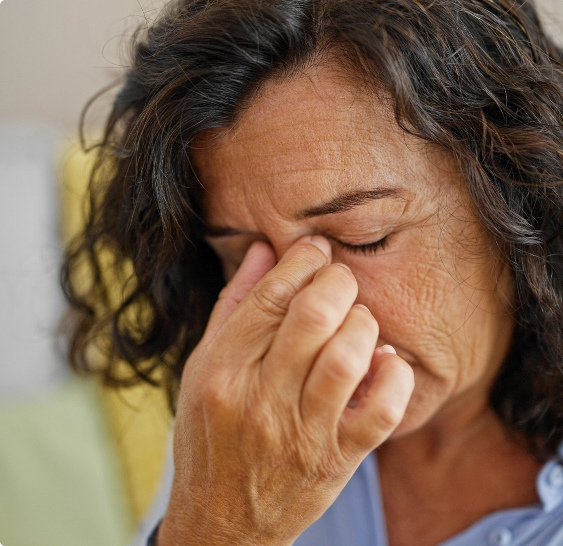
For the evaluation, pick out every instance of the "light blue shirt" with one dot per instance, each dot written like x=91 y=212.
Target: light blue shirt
x=356 y=517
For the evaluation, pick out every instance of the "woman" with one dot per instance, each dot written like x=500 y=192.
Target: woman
x=379 y=184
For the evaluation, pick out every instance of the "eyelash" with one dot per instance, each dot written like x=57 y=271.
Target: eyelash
x=369 y=248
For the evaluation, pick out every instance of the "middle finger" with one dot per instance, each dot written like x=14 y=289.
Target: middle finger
x=315 y=314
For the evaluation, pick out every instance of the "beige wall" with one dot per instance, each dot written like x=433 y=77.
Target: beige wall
x=54 y=54
x=552 y=12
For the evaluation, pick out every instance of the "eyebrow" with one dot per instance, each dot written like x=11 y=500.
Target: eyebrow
x=340 y=203
x=347 y=201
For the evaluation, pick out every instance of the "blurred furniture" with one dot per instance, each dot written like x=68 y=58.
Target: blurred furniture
x=139 y=418
x=79 y=465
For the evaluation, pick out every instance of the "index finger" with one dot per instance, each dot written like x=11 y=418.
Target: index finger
x=250 y=329
x=259 y=259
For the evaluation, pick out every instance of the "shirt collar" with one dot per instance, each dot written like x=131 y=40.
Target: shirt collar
x=549 y=482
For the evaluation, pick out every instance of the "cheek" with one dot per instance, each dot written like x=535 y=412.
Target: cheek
x=443 y=315
x=408 y=296
x=410 y=302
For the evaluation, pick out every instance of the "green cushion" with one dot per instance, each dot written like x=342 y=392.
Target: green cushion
x=60 y=482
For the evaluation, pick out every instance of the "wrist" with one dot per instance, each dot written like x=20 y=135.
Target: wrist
x=174 y=531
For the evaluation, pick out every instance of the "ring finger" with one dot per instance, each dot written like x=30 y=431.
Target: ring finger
x=340 y=367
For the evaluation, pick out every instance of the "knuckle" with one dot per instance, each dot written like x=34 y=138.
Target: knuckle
x=312 y=313
x=367 y=321
x=388 y=417
x=213 y=393
x=273 y=296
x=340 y=366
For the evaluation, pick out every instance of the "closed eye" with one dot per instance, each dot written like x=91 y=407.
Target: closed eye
x=369 y=248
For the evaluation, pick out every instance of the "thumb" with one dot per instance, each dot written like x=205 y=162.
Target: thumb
x=259 y=259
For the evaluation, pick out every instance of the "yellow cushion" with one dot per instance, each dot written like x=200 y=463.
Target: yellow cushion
x=138 y=417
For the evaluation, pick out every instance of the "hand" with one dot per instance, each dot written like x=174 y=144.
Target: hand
x=264 y=438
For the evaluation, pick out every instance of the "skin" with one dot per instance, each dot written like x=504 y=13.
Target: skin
x=436 y=291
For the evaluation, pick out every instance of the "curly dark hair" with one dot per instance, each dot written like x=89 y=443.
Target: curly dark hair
x=478 y=77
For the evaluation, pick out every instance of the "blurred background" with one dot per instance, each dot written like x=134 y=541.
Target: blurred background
x=79 y=465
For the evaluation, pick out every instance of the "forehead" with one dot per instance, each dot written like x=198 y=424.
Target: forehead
x=308 y=139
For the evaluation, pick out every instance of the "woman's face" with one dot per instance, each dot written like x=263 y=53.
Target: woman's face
x=316 y=155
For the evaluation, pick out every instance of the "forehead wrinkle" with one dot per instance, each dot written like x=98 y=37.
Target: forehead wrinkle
x=258 y=130
x=354 y=148
x=307 y=183
x=283 y=101
x=295 y=157
x=351 y=158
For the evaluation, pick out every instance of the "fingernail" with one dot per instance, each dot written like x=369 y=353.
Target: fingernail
x=322 y=244
x=361 y=305
x=343 y=265
x=389 y=349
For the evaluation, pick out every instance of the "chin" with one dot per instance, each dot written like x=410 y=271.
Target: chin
x=406 y=427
